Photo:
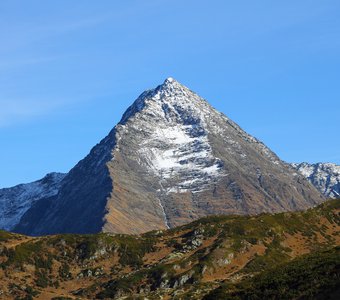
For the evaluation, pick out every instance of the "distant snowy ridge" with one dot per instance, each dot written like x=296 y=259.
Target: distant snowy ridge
x=15 y=201
x=324 y=176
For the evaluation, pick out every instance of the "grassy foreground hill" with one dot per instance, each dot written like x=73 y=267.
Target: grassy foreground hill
x=315 y=275
x=282 y=256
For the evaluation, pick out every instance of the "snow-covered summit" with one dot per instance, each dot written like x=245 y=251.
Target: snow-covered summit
x=170 y=80
x=174 y=120
x=169 y=87
x=175 y=129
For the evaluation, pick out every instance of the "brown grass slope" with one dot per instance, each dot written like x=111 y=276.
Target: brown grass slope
x=187 y=262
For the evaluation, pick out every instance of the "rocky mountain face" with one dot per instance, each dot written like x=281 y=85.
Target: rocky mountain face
x=16 y=201
x=324 y=176
x=171 y=159
x=283 y=256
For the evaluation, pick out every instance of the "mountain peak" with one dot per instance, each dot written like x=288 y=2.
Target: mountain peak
x=169 y=80
x=173 y=158
x=171 y=85
x=171 y=90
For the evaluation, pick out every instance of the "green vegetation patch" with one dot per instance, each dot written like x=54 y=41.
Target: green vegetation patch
x=313 y=276
x=5 y=236
x=23 y=253
x=132 y=249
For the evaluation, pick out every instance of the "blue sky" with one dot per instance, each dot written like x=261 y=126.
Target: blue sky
x=69 y=69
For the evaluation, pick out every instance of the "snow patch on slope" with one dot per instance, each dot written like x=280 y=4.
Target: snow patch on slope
x=173 y=153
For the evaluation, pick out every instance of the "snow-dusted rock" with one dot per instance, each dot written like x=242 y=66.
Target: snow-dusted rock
x=324 y=176
x=15 y=201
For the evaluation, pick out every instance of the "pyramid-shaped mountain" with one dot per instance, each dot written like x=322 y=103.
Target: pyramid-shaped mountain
x=171 y=159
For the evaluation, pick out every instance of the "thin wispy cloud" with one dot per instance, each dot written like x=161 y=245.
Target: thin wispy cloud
x=23 y=62
x=18 y=110
x=21 y=110
x=26 y=34
x=20 y=51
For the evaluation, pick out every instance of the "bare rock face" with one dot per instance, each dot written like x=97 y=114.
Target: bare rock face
x=324 y=176
x=171 y=159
